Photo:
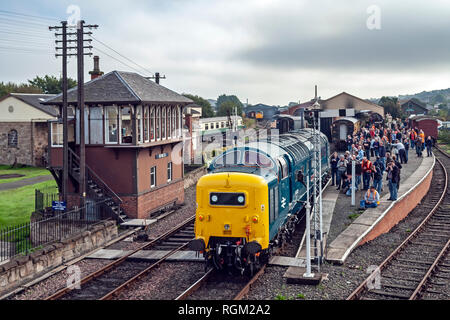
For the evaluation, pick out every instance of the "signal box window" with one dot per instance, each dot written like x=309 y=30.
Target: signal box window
x=153 y=177
x=169 y=172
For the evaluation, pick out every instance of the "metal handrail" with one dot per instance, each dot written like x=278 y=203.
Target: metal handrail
x=91 y=172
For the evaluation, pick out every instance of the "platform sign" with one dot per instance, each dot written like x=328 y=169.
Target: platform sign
x=59 y=205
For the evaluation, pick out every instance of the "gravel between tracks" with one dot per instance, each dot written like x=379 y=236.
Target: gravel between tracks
x=166 y=223
x=342 y=280
x=166 y=282
x=56 y=282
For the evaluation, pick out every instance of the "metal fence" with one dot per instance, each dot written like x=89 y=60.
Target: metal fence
x=43 y=198
x=26 y=237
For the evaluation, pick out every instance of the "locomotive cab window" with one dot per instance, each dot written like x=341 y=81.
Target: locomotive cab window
x=230 y=158
x=252 y=158
x=283 y=168
x=227 y=199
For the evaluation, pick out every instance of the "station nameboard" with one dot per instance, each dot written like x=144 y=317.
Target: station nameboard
x=59 y=205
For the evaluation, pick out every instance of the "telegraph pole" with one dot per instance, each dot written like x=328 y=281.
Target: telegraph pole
x=81 y=106
x=80 y=60
x=157 y=77
x=80 y=64
x=64 y=106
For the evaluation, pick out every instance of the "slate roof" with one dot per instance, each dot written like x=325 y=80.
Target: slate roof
x=36 y=100
x=414 y=101
x=122 y=87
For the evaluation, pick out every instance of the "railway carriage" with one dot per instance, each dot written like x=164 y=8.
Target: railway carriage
x=251 y=199
x=341 y=128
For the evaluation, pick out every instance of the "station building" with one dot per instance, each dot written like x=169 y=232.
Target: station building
x=412 y=107
x=261 y=112
x=132 y=128
x=24 y=129
x=341 y=106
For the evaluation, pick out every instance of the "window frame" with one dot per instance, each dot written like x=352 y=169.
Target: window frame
x=59 y=134
x=153 y=177
x=107 y=119
x=169 y=171
x=10 y=133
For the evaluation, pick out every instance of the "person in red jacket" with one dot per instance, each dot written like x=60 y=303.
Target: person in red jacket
x=367 y=171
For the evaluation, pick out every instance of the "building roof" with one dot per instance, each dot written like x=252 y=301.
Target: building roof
x=35 y=100
x=415 y=101
x=351 y=119
x=420 y=117
x=218 y=119
x=260 y=106
x=122 y=87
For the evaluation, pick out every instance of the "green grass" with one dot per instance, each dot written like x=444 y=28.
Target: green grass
x=353 y=216
x=28 y=172
x=16 y=205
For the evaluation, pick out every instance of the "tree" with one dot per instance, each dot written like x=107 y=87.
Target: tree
x=229 y=106
x=225 y=103
x=207 y=110
x=391 y=106
x=10 y=87
x=50 y=84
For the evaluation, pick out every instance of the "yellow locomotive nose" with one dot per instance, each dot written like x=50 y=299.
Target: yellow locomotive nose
x=234 y=203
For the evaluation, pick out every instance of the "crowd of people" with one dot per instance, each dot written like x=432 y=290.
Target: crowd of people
x=376 y=151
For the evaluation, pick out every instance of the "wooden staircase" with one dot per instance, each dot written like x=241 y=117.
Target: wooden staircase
x=97 y=189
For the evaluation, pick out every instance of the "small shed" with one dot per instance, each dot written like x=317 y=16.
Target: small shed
x=428 y=124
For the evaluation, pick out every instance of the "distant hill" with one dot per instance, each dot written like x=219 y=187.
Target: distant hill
x=431 y=97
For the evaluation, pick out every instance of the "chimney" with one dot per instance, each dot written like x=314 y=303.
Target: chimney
x=96 y=72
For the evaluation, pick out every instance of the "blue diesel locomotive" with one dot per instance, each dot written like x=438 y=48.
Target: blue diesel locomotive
x=251 y=198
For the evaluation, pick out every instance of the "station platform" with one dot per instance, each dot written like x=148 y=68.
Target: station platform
x=376 y=221
x=133 y=223
x=149 y=255
x=297 y=265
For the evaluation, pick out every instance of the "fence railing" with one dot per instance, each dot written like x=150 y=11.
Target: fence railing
x=43 y=198
x=26 y=237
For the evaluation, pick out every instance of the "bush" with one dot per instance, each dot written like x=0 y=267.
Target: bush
x=444 y=136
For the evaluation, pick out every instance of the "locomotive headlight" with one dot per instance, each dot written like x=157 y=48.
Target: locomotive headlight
x=227 y=227
x=241 y=199
x=214 y=198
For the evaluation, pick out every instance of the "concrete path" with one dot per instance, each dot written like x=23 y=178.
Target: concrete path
x=24 y=182
x=151 y=255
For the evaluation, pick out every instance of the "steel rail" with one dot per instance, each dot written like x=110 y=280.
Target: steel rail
x=246 y=289
x=361 y=288
x=195 y=286
x=427 y=276
x=117 y=262
x=120 y=288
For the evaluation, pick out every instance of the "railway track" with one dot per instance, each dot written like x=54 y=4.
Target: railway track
x=421 y=260
x=216 y=285
x=111 y=280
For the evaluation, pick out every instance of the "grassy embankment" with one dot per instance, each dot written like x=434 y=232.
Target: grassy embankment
x=28 y=172
x=444 y=140
x=16 y=205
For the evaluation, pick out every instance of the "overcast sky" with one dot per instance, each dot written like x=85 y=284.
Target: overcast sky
x=267 y=51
